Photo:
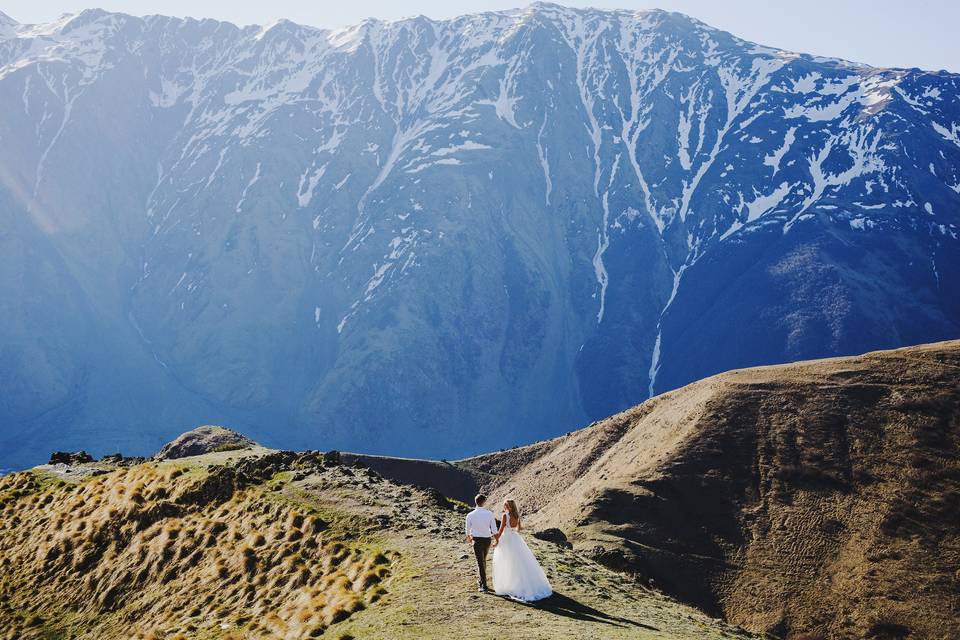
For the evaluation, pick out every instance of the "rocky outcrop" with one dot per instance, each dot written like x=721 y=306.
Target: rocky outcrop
x=553 y=535
x=202 y=440
x=70 y=457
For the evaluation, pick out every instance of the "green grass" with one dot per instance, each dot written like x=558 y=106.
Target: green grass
x=228 y=446
x=458 y=503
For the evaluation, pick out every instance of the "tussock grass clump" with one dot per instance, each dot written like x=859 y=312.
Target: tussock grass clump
x=153 y=552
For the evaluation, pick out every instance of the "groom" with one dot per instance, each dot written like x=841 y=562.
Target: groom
x=481 y=528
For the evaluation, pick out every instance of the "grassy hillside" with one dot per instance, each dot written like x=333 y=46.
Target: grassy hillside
x=819 y=497
x=153 y=550
x=260 y=544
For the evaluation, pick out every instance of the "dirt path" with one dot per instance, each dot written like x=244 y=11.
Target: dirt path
x=432 y=592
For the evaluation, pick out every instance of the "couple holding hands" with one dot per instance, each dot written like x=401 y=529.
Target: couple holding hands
x=516 y=572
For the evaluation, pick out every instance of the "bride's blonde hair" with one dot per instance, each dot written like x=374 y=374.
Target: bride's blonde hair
x=512 y=509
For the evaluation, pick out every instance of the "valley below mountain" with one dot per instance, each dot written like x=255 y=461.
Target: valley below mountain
x=811 y=500
x=422 y=237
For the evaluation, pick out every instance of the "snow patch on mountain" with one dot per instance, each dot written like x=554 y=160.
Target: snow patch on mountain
x=486 y=194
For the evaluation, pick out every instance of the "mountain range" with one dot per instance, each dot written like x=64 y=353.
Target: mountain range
x=436 y=237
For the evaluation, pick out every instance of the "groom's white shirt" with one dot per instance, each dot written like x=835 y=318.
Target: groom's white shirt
x=481 y=523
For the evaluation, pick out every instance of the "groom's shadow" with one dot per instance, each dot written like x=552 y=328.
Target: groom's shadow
x=566 y=606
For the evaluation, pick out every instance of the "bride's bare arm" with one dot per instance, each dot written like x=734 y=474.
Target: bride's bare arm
x=503 y=525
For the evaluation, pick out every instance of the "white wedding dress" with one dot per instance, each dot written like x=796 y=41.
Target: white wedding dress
x=516 y=572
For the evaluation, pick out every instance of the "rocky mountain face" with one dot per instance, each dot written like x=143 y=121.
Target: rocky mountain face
x=424 y=237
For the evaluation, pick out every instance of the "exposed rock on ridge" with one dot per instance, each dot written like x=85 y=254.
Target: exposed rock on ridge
x=206 y=439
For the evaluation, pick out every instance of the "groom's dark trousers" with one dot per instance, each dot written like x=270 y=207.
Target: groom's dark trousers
x=481 y=546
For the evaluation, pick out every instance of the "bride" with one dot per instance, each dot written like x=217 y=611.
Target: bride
x=516 y=573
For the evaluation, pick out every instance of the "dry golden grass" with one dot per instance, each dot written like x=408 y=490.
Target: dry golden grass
x=305 y=546
x=158 y=552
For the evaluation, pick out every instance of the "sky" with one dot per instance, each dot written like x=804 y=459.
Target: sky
x=884 y=33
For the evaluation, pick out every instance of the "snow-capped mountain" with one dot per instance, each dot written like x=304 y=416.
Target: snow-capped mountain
x=431 y=237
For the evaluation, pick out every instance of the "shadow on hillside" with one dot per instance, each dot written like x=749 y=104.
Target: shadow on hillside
x=566 y=606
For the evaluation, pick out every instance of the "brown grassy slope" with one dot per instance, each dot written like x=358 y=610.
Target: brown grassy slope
x=156 y=551
x=818 y=497
x=266 y=544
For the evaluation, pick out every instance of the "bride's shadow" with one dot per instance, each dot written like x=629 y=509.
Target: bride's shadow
x=566 y=606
